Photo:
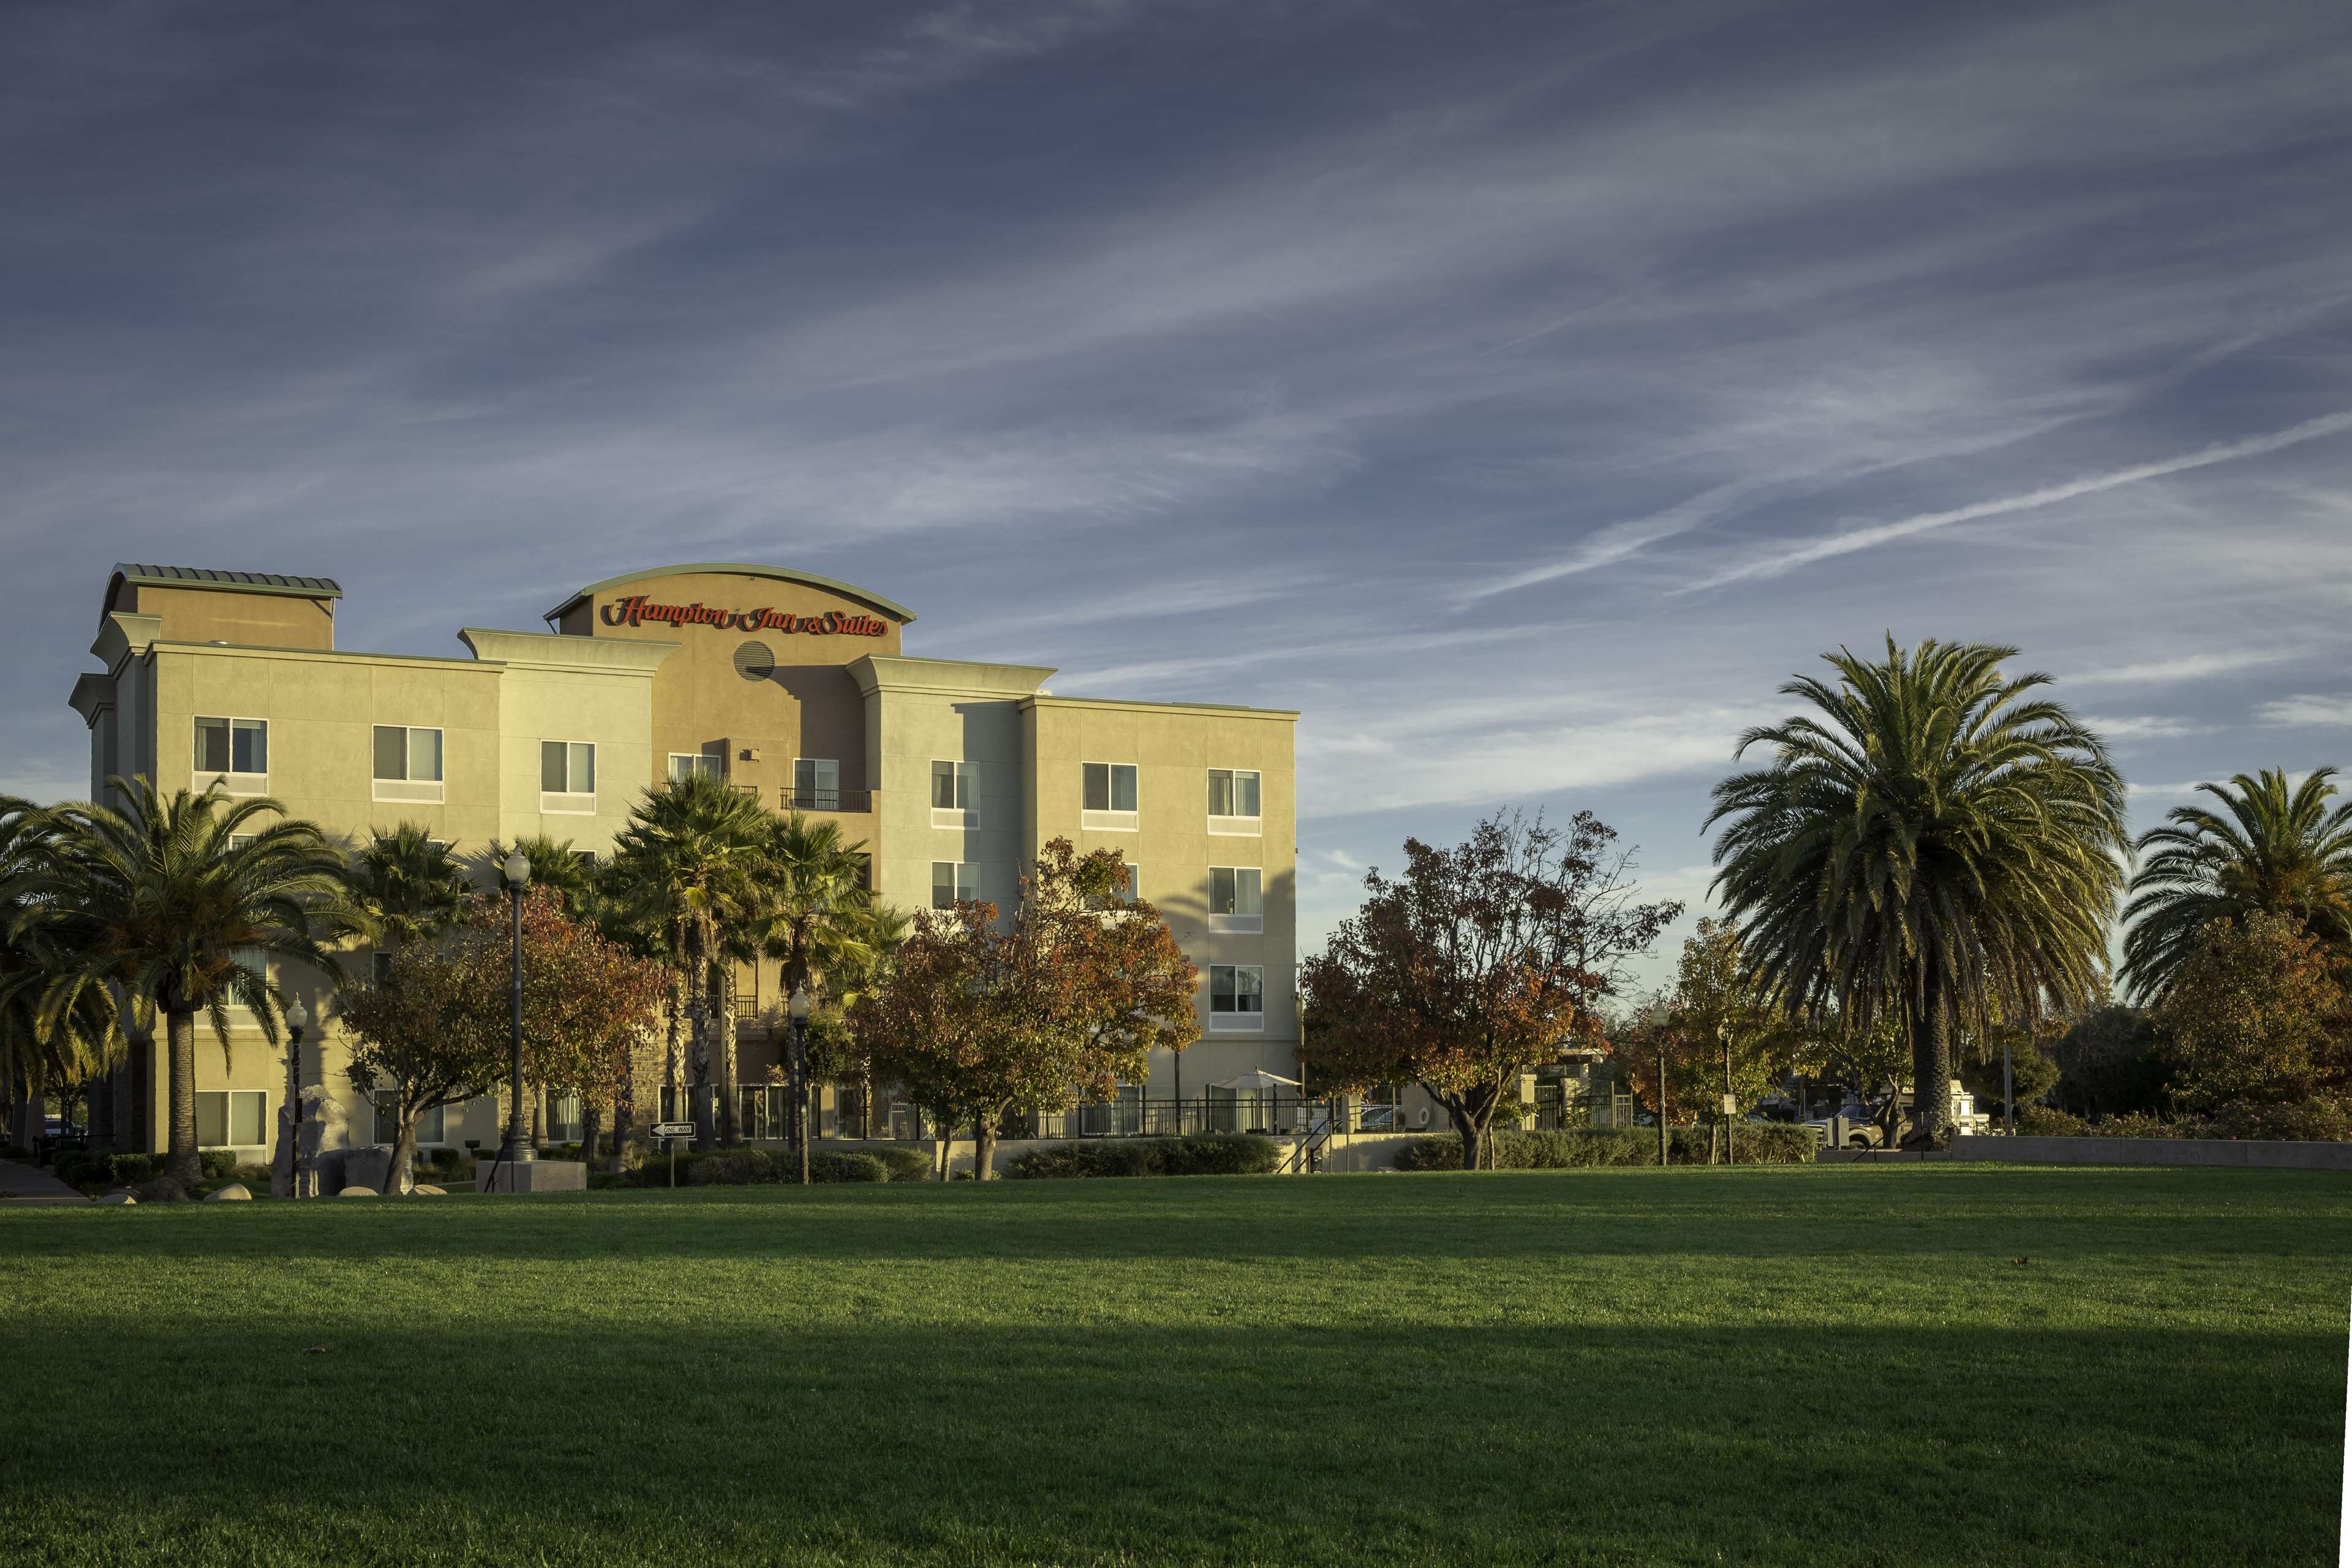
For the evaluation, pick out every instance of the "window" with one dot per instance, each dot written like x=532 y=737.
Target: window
x=1108 y=798
x=1236 y=898
x=1233 y=801
x=254 y=962
x=239 y=840
x=1237 y=996
x=954 y=789
x=1126 y=895
x=696 y=764
x=816 y=784
x=953 y=882
x=562 y=1118
x=236 y=752
x=567 y=777
x=407 y=764
x=231 y=1119
x=762 y=1113
x=382 y=966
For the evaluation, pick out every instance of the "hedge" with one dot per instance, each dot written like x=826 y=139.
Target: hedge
x=97 y=1168
x=760 y=1167
x=1204 y=1155
x=2318 y=1121
x=1585 y=1148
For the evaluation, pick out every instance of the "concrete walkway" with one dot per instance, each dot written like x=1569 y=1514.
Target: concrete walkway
x=21 y=1183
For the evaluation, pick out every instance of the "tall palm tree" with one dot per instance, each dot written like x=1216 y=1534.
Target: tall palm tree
x=49 y=1033
x=409 y=885
x=1932 y=841
x=814 y=915
x=698 y=846
x=2270 y=849
x=180 y=900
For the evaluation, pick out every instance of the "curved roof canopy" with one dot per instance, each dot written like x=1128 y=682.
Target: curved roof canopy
x=742 y=569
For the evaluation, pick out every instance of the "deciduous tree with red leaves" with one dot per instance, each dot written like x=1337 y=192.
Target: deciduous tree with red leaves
x=1476 y=965
x=980 y=1016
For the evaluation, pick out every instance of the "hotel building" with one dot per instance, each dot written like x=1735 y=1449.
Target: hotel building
x=793 y=687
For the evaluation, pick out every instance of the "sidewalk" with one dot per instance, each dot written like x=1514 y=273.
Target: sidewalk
x=20 y=1183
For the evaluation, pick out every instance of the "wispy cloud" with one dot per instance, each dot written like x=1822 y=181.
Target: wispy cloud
x=1774 y=562
x=2307 y=711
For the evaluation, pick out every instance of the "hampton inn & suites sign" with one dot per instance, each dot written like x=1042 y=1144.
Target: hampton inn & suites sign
x=636 y=610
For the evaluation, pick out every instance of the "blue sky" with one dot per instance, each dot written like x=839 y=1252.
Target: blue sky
x=1522 y=391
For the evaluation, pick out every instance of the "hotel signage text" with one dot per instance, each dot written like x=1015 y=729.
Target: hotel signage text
x=636 y=610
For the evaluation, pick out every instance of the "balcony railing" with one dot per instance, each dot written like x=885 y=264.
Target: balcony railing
x=815 y=799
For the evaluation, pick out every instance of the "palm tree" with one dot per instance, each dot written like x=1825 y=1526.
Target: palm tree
x=408 y=884
x=1933 y=841
x=181 y=901
x=2270 y=849
x=632 y=912
x=554 y=864
x=697 y=846
x=816 y=915
x=49 y=1033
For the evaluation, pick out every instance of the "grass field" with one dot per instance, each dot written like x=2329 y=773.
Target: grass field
x=1928 y=1364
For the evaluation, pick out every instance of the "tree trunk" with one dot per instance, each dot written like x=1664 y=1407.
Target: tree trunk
x=723 y=1049
x=983 y=1148
x=1473 y=1136
x=1931 y=1069
x=592 y=1126
x=400 y=1175
x=625 y=1106
x=181 y=1163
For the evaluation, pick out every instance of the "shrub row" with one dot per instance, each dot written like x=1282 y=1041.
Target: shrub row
x=2321 y=1120
x=97 y=1168
x=1203 y=1154
x=755 y=1167
x=1584 y=1147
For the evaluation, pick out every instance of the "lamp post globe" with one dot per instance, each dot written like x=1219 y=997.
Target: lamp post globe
x=517 y=871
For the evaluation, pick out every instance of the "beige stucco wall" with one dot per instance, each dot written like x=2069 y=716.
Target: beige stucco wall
x=922 y=711
x=220 y=614
x=1174 y=746
x=553 y=688
x=322 y=708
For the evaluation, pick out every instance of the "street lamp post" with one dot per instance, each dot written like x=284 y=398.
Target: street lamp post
x=799 y=1008
x=518 y=874
x=288 y=1183
x=1731 y=1149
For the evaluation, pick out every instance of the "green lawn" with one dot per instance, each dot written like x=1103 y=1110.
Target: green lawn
x=1800 y=1365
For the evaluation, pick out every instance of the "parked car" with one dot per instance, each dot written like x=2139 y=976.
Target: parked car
x=58 y=1134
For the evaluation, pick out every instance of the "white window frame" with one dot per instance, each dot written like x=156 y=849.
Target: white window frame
x=1236 y=1022
x=818 y=789
x=420 y=792
x=966 y=813
x=1110 y=821
x=229 y=1097
x=568 y=801
x=230 y=780
x=1233 y=922
x=1239 y=826
x=967 y=881
x=709 y=765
